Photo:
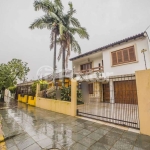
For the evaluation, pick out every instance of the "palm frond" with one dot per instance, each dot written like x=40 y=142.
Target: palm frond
x=58 y=4
x=45 y=5
x=71 y=9
x=54 y=16
x=75 y=46
x=81 y=32
x=75 y=22
x=44 y=22
x=51 y=40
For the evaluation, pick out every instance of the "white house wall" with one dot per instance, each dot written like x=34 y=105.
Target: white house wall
x=95 y=59
x=128 y=68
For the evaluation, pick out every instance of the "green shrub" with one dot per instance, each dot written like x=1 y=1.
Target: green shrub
x=12 y=89
x=43 y=86
x=66 y=94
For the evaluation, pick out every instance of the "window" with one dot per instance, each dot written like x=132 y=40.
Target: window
x=90 y=86
x=86 y=66
x=123 y=56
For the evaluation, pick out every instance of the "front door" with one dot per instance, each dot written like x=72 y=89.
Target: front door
x=106 y=93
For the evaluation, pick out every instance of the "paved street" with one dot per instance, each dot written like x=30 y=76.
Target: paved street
x=31 y=128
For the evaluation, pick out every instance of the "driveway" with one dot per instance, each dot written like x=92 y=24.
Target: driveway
x=30 y=128
x=124 y=114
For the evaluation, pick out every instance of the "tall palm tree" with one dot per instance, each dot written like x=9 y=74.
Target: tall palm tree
x=51 y=19
x=67 y=29
x=63 y=28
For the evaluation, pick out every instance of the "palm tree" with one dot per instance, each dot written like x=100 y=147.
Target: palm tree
x=67 y=29
x=63 y=28
x=51 y=19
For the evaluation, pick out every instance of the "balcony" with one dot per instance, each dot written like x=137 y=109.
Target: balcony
x=89 y=71
x=93 y=74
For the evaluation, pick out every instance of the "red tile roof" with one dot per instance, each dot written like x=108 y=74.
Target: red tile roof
x=110 y=45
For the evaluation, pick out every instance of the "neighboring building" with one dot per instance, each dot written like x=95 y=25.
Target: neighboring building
x=108 y=73
x=25 y=87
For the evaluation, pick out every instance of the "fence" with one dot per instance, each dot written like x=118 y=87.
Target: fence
x=115 y=101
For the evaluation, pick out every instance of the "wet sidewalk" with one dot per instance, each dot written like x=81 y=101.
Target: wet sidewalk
x=31 y=128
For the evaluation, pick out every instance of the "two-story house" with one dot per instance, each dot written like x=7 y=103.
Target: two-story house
x=107 y=74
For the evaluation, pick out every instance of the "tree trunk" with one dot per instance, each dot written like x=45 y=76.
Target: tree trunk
x=2 y=95
x=54 y=63
x=63 y=67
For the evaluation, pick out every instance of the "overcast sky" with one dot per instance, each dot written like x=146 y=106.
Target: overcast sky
x=106 y=21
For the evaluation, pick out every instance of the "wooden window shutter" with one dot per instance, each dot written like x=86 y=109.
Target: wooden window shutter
x=132 y=54
x=125 y=55
x=114 y=58
x=119 y=55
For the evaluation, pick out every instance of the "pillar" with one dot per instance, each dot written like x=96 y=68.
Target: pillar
x=143 y=93
x=37 y=92
x=73 y=97
x=111 y=87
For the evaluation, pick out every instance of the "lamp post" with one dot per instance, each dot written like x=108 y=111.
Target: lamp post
x=143 y=51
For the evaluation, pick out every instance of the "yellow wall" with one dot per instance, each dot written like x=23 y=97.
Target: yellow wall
x=143 y=91
x=54 y=105
x=64 y=107
x=19 y=98
x=32 y=100
x=2 y=142
x=73 y=97
x=25 y=99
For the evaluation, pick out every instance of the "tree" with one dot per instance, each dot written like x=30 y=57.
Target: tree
x=12 y=72
x=63 y=28
x=43 y=86
x=67 y=29
x=51 y=19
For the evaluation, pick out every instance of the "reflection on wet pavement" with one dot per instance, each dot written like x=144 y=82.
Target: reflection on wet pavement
x=31 y=128
x=9 y=103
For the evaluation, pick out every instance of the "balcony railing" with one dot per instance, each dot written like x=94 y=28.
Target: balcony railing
x=89 y=71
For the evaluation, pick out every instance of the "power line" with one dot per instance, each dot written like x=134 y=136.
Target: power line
x=147 y=28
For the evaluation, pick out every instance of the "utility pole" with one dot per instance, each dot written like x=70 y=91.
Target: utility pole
x=143 y=51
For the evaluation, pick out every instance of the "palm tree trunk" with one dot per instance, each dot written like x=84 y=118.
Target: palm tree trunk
x=54 y=63
x=63 y=67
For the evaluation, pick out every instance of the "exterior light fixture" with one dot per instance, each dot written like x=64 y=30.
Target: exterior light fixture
x=79 y=85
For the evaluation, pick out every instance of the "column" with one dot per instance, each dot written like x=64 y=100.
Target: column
x=111 y=87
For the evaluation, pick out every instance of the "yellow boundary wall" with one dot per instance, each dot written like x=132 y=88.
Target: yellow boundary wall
x=54 y=105
x=143 y=92
x=32 y=100
x=64 y=107
x=27 y=99
x=2 y=142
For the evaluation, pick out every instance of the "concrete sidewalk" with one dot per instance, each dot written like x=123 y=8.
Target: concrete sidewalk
x=31 y=128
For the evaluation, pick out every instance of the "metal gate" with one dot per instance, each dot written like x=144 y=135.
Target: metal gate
x=114 y=101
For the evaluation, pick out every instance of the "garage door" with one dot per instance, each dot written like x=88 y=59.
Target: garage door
x=125 y=92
